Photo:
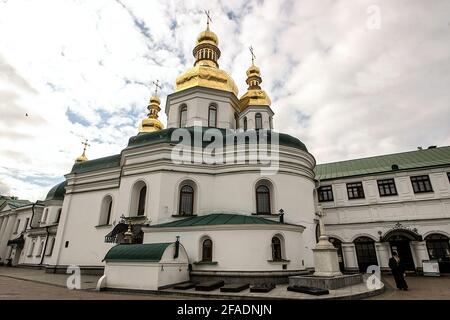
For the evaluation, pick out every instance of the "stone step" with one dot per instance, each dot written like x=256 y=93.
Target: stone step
x=209 y=285
x=234 y=287
x=308 y=290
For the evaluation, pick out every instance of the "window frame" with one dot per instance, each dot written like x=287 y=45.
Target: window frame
x=277 y=249
x=142 y=199
x=417 y=180
x=321 y=191
x=245 y=124
x=205 y=257
x=183 y=110
x=258 y=116
x=268 y=193
x=181 y=199
x=358 y=186
x=387 y=184
x=212 y=107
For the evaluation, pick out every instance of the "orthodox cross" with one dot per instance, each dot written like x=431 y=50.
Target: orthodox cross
x=208 y=18
x=253 y=55
x=85 y=143
x=157 y=86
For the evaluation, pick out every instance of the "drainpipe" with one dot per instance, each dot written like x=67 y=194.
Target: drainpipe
x=32 y=216
x=45 y=246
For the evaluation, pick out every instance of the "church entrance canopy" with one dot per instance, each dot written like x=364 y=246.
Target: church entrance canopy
x=401 y=234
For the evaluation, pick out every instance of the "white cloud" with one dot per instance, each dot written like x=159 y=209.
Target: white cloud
x=344 y=90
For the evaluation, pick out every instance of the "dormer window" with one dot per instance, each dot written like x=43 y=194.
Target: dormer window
x=183 y=116
x=212 y=116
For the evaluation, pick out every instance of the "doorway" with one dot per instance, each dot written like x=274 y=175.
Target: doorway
x=401 y=245
x=338 y=245
x=365 y=253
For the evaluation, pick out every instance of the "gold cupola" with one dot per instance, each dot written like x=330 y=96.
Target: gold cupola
x=83 y=157
x=206 y=72
x=254 y=96
x=152 y=123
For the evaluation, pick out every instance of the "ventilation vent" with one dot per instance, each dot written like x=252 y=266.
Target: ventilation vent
x=395 y=167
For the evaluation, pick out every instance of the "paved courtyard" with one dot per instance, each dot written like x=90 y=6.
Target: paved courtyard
x=22 y=283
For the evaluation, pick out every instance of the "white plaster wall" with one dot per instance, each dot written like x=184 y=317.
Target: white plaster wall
x=237 y=250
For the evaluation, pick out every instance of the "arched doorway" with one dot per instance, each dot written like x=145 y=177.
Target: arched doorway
x=365 y=253
x=399 y=241
x=338 y=245
x=439 y=249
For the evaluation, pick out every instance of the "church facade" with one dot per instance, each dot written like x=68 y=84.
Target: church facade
x=230 y=196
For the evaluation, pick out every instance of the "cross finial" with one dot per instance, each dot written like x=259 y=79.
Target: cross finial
x=253 y=55
x=157 y=86
x=208 y=19
x=85 y=143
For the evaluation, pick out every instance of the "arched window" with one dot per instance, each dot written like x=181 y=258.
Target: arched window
x=276 y=249
x=207 y=250
x=105 y=213
x=439 y=249
x=236 y=121
x=258 y=121
x=212 y=116
x=245 y=123
x=365 y=253
x=141 y=204
x=186 y=200
x=263 y=200
x=338 y=245
x=183 y=116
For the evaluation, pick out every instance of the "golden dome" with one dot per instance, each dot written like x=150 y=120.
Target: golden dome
x=152 y=123
x=254 y=96
x=206 y=72
x=208 y=36
x=81 y=158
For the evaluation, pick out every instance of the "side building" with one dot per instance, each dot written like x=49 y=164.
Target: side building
x=397 y=202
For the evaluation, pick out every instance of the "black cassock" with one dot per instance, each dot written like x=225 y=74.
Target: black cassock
x=397 y=271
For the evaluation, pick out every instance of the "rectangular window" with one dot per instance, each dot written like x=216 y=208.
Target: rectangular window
x=50 y=245
x=30 y=252
x=355 y=190
x=44 y=216
x=27 y=221
x=16 y=228
x=212 y=117
x=41 y=247
x=325 y=193
x=421 y=184
x=386 y=187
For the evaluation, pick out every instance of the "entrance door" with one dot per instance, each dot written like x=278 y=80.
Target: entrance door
x=365 y=253
x=402 y=247
x=439 y=249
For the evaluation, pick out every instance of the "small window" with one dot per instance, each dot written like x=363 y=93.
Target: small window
x=50 y=246
x=16 y=228
x=67 y=244
x=27 y=221
x=325 y=194
x=44 y=216
x=41 y=247
x=30 y=252
x=355 y=190
x=263 y=200
x=421 y=184
x=212 y=117
x=448 y=176
x=183 y=116
x=186 y=200
x=271 y=122
x=236 y=121
x=386 y=187
x=141 y=204
x=258 y=121
x=245 y=123
x=207 y=250
x=58 y=216
x=276 y=249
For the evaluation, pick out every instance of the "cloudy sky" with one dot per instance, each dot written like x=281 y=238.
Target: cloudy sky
x=349 y=78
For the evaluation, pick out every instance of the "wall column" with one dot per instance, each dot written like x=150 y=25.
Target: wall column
x=419 y=252
x=383 y=250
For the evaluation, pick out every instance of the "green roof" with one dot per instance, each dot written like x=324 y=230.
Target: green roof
x=165 y=136
x=97 y=164
x=14 y=204
x=216 y=219
x=57 y=192
x=149 y=252
x=427 y=158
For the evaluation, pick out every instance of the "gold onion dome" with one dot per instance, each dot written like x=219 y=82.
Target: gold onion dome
x=206 y=72
x=254 y=96
x=152 y=123
x=81 y=158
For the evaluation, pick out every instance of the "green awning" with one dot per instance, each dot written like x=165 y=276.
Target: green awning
x=149 y=252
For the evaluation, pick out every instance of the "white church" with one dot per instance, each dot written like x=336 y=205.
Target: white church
x=220 y=195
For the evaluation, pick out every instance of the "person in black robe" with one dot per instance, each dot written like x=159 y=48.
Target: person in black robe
x=398 y=271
